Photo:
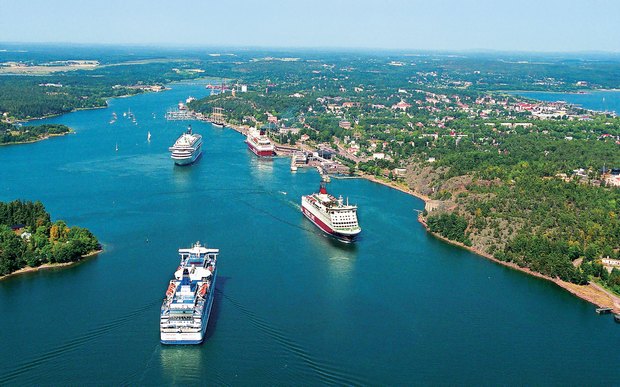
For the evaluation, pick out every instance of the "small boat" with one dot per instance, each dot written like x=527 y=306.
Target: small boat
x=117 y=146
x=148 y=136
x=617 y=318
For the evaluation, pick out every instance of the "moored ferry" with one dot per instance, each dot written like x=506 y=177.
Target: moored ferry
x=331 y=215
x=259 y=143
x=187 y=305
x=187 y=148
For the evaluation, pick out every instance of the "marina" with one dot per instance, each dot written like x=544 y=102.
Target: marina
x=290 y=303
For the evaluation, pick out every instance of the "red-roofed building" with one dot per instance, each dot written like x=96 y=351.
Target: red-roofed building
x=402 y=105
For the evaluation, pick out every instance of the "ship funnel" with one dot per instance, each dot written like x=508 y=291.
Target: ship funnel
x=323 y=190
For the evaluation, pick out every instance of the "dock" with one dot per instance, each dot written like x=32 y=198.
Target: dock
x=178 y=115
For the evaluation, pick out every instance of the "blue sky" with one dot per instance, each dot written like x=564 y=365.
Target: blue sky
x=522 y=25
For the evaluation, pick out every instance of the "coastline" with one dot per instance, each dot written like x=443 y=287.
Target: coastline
x=105 y=106
x=46 y=137
x=29 y=269
x=592 y=292
x=395 y=185
x=60 y=114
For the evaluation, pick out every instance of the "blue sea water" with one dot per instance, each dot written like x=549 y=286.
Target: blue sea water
x=604 y=101
x=292 y=306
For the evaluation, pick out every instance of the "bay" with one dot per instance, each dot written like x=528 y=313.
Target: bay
x=292 y=306
x=602 y=100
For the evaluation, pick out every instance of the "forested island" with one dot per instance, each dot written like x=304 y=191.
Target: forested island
x=28 y=237
x=14 y=134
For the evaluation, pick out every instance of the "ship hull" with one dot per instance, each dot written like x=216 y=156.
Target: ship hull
x=259 y=152
x=323 y=226
x=188 y=160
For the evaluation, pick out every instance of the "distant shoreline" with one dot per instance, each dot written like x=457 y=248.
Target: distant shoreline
x=47 y=136
x=86 y=108
x=45 y=117
x=578 y=92
x=45 y=266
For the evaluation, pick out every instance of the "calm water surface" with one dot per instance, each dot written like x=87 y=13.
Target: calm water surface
x=607 y=101
x=292 y=306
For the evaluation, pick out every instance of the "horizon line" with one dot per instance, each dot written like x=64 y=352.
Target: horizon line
x=307 y=48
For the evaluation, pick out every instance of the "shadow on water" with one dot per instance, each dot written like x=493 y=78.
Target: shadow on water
x=220 y=285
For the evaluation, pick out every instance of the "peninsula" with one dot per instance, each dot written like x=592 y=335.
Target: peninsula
x=14 y=134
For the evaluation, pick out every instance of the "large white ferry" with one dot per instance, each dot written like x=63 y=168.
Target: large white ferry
x=189 y=298
x=259 y=143
x=331 y=215
x=187 y=148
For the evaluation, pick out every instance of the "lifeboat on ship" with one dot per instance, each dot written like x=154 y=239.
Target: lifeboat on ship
x=170 y=290
x=203 y=289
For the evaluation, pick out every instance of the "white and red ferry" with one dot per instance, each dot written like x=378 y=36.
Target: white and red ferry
x=331 y=215
x=259 y=143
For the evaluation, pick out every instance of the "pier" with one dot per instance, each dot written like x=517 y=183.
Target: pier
x=179 y=115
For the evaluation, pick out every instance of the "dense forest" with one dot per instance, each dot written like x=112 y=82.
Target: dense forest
x=521 y=212
x=29 y=237
x=12 y=134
